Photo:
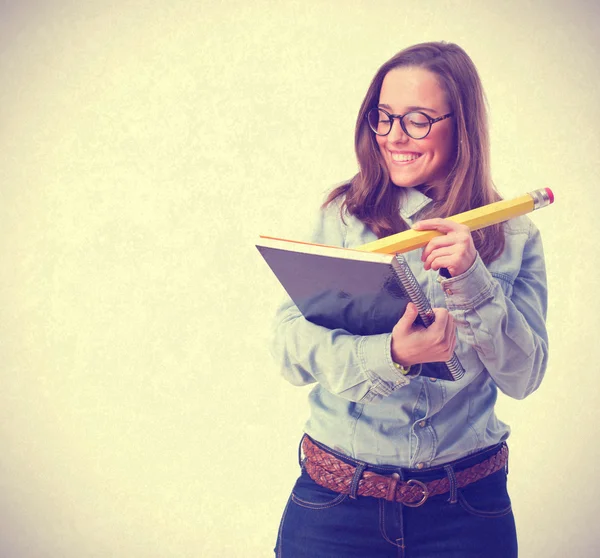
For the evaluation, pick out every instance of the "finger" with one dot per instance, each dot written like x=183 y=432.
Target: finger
x=448 y=261
x=451 y=334
x=450 y=327
x=409 y=316
x=441 y=318
x=461 y=239
x=438 y=332
x=436 y=243
x=434 y=260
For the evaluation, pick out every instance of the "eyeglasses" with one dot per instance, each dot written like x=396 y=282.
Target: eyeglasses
x=415 y=124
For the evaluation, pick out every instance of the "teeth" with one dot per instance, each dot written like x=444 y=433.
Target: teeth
x=402 y=157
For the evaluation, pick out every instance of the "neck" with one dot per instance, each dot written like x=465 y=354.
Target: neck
x=431 y=191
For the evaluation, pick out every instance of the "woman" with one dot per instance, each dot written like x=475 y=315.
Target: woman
x=395 y=463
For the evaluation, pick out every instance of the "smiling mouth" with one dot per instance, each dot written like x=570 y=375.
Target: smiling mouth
x=404 y=157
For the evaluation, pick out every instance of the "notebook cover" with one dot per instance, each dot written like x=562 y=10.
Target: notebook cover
x=361 y=297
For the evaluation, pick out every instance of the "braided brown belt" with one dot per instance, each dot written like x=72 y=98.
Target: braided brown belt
x=333 y=473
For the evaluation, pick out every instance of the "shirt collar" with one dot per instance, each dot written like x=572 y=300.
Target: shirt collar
x=411 y=202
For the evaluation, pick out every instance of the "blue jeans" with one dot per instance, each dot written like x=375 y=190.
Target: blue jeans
x=471 y=522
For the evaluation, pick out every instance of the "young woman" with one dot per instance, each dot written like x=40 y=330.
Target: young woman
x=395 y=463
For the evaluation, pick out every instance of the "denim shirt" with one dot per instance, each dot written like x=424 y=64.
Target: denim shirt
x=361 y=403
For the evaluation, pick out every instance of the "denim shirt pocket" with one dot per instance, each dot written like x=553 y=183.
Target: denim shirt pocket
x=507 y=267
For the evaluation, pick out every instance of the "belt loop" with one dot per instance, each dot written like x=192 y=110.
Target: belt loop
x=360 y=468
x=452 y=480
x=391 y=491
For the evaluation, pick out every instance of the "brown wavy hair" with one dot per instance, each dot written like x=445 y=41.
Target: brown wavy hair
x=374 y=199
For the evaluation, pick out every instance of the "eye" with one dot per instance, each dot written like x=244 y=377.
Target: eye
x=382 y=117
x=379 y=121
x=417 y=119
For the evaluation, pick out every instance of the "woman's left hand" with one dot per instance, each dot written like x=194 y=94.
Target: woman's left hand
x=454 y=250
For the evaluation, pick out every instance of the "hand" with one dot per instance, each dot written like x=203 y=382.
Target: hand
x=415 y=344
x=454 y=250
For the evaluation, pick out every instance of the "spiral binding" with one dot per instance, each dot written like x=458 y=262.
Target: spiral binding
x=417 y=296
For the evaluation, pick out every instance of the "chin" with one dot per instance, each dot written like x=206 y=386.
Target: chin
x=406 y=182
x=421 y=181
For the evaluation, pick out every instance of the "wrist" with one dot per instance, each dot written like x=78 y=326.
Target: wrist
x=404 y=370
x=400 y=361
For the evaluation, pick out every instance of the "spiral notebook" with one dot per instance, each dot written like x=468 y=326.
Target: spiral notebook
x=364 y=293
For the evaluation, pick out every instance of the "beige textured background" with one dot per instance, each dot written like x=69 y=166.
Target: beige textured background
x=143 y=146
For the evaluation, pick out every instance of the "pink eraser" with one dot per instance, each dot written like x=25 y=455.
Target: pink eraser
x=550 y=194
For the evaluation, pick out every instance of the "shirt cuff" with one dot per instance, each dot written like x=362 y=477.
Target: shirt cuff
x=376 y=360
x=470 y=289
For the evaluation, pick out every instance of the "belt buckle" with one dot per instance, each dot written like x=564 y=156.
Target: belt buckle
x=425 y=490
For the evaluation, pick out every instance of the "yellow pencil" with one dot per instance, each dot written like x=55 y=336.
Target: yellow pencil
x=474 y=219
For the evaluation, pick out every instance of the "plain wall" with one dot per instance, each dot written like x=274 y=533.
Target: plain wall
x=143 y=147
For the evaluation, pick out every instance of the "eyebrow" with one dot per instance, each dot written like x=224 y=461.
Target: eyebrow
x=409 y=109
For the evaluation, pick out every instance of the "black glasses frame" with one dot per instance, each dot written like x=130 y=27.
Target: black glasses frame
x=400 y=118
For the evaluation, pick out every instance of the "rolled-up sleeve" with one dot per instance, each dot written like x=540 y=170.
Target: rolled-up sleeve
x=508 y=332
x=357 y=368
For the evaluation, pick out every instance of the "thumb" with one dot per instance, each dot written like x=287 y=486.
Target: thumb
x=409 y=316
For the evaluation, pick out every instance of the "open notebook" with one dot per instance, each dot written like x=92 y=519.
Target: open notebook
x=364 y=293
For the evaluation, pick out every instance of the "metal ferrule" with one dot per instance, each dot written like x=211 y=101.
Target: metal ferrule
x=540 y=198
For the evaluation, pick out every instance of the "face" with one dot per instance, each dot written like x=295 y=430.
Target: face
x=412 y=162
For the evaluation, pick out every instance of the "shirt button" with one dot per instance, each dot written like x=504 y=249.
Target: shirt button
x=432 y=379
x=420 y=465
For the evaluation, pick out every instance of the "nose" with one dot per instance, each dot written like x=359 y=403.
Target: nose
x=397 y=134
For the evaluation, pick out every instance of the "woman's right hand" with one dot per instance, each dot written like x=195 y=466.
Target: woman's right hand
x=415 y=344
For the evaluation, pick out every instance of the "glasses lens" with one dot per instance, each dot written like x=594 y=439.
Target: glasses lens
x=379 y=121
x=417 y=124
